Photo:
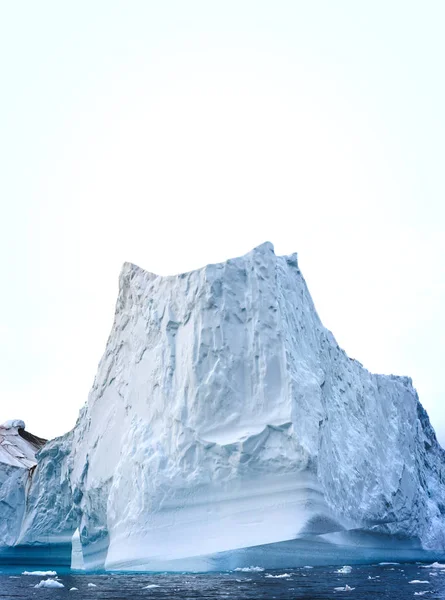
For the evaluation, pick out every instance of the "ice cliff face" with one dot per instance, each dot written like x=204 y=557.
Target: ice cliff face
x=18 y=450
x=226 y=426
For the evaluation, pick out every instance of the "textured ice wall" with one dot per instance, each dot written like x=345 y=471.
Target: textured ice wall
x=17 y=461
x=224 y=420
x=51 y=515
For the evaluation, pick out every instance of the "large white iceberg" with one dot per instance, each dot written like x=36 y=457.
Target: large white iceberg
x=226 y=428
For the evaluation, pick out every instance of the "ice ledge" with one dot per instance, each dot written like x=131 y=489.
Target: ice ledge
x=13 y=424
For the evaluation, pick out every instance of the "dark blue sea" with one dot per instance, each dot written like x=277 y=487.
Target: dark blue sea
x=390 y=581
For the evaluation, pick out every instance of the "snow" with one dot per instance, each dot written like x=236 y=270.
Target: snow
x=49 y=583
x=226 y=428
x=41 y=573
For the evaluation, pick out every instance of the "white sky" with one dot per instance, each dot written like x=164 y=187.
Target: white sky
x=174 y=134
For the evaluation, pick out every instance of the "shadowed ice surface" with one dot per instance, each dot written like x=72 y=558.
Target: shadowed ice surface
x=391 y=581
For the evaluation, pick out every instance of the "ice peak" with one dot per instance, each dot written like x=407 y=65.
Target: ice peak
x=265 y=247
x=130 y=270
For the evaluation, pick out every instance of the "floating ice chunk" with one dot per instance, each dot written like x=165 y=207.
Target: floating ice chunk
x=250 y=569
x=435 y=565
x=282 y=576
x=307 y=567
x=344 y=589
x=151 y=586
x=418 y=581
x=388 y=563
x=49 y=583
x=421 y=593
x=376 y=577
x=92 y=585
x=345 y=569
x=73 y=589
x=41 y=573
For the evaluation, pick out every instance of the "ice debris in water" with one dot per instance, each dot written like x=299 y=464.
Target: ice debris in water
x=282 y=576
x=344 y=589
x=307 y=567
x=382 y=564
x=421 y=593
x=151 y=586
x=250 y=569
x=435 y=565
x=74 y=589
x=417 y=581
x=49 y=583
x=41 y=573
x=345 y=569
x=92 y=585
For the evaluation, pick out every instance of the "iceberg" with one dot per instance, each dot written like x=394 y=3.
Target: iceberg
x=226 y=428
x=344 y=589
x=345 y=569
x=41 y=573
x=49 y=583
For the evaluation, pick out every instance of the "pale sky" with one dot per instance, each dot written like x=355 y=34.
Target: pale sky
x=175 y=134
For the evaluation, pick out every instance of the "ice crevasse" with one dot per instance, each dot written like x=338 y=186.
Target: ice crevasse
x=226 y=428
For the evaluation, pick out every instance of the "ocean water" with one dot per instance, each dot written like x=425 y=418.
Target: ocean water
x=390 y=582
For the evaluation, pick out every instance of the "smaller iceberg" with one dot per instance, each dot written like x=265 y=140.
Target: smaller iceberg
x=49 y=583
x=345 y=569
x=344 y=589
x=41 y=573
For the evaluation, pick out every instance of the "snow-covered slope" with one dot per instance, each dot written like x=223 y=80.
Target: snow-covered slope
x=226 y=426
